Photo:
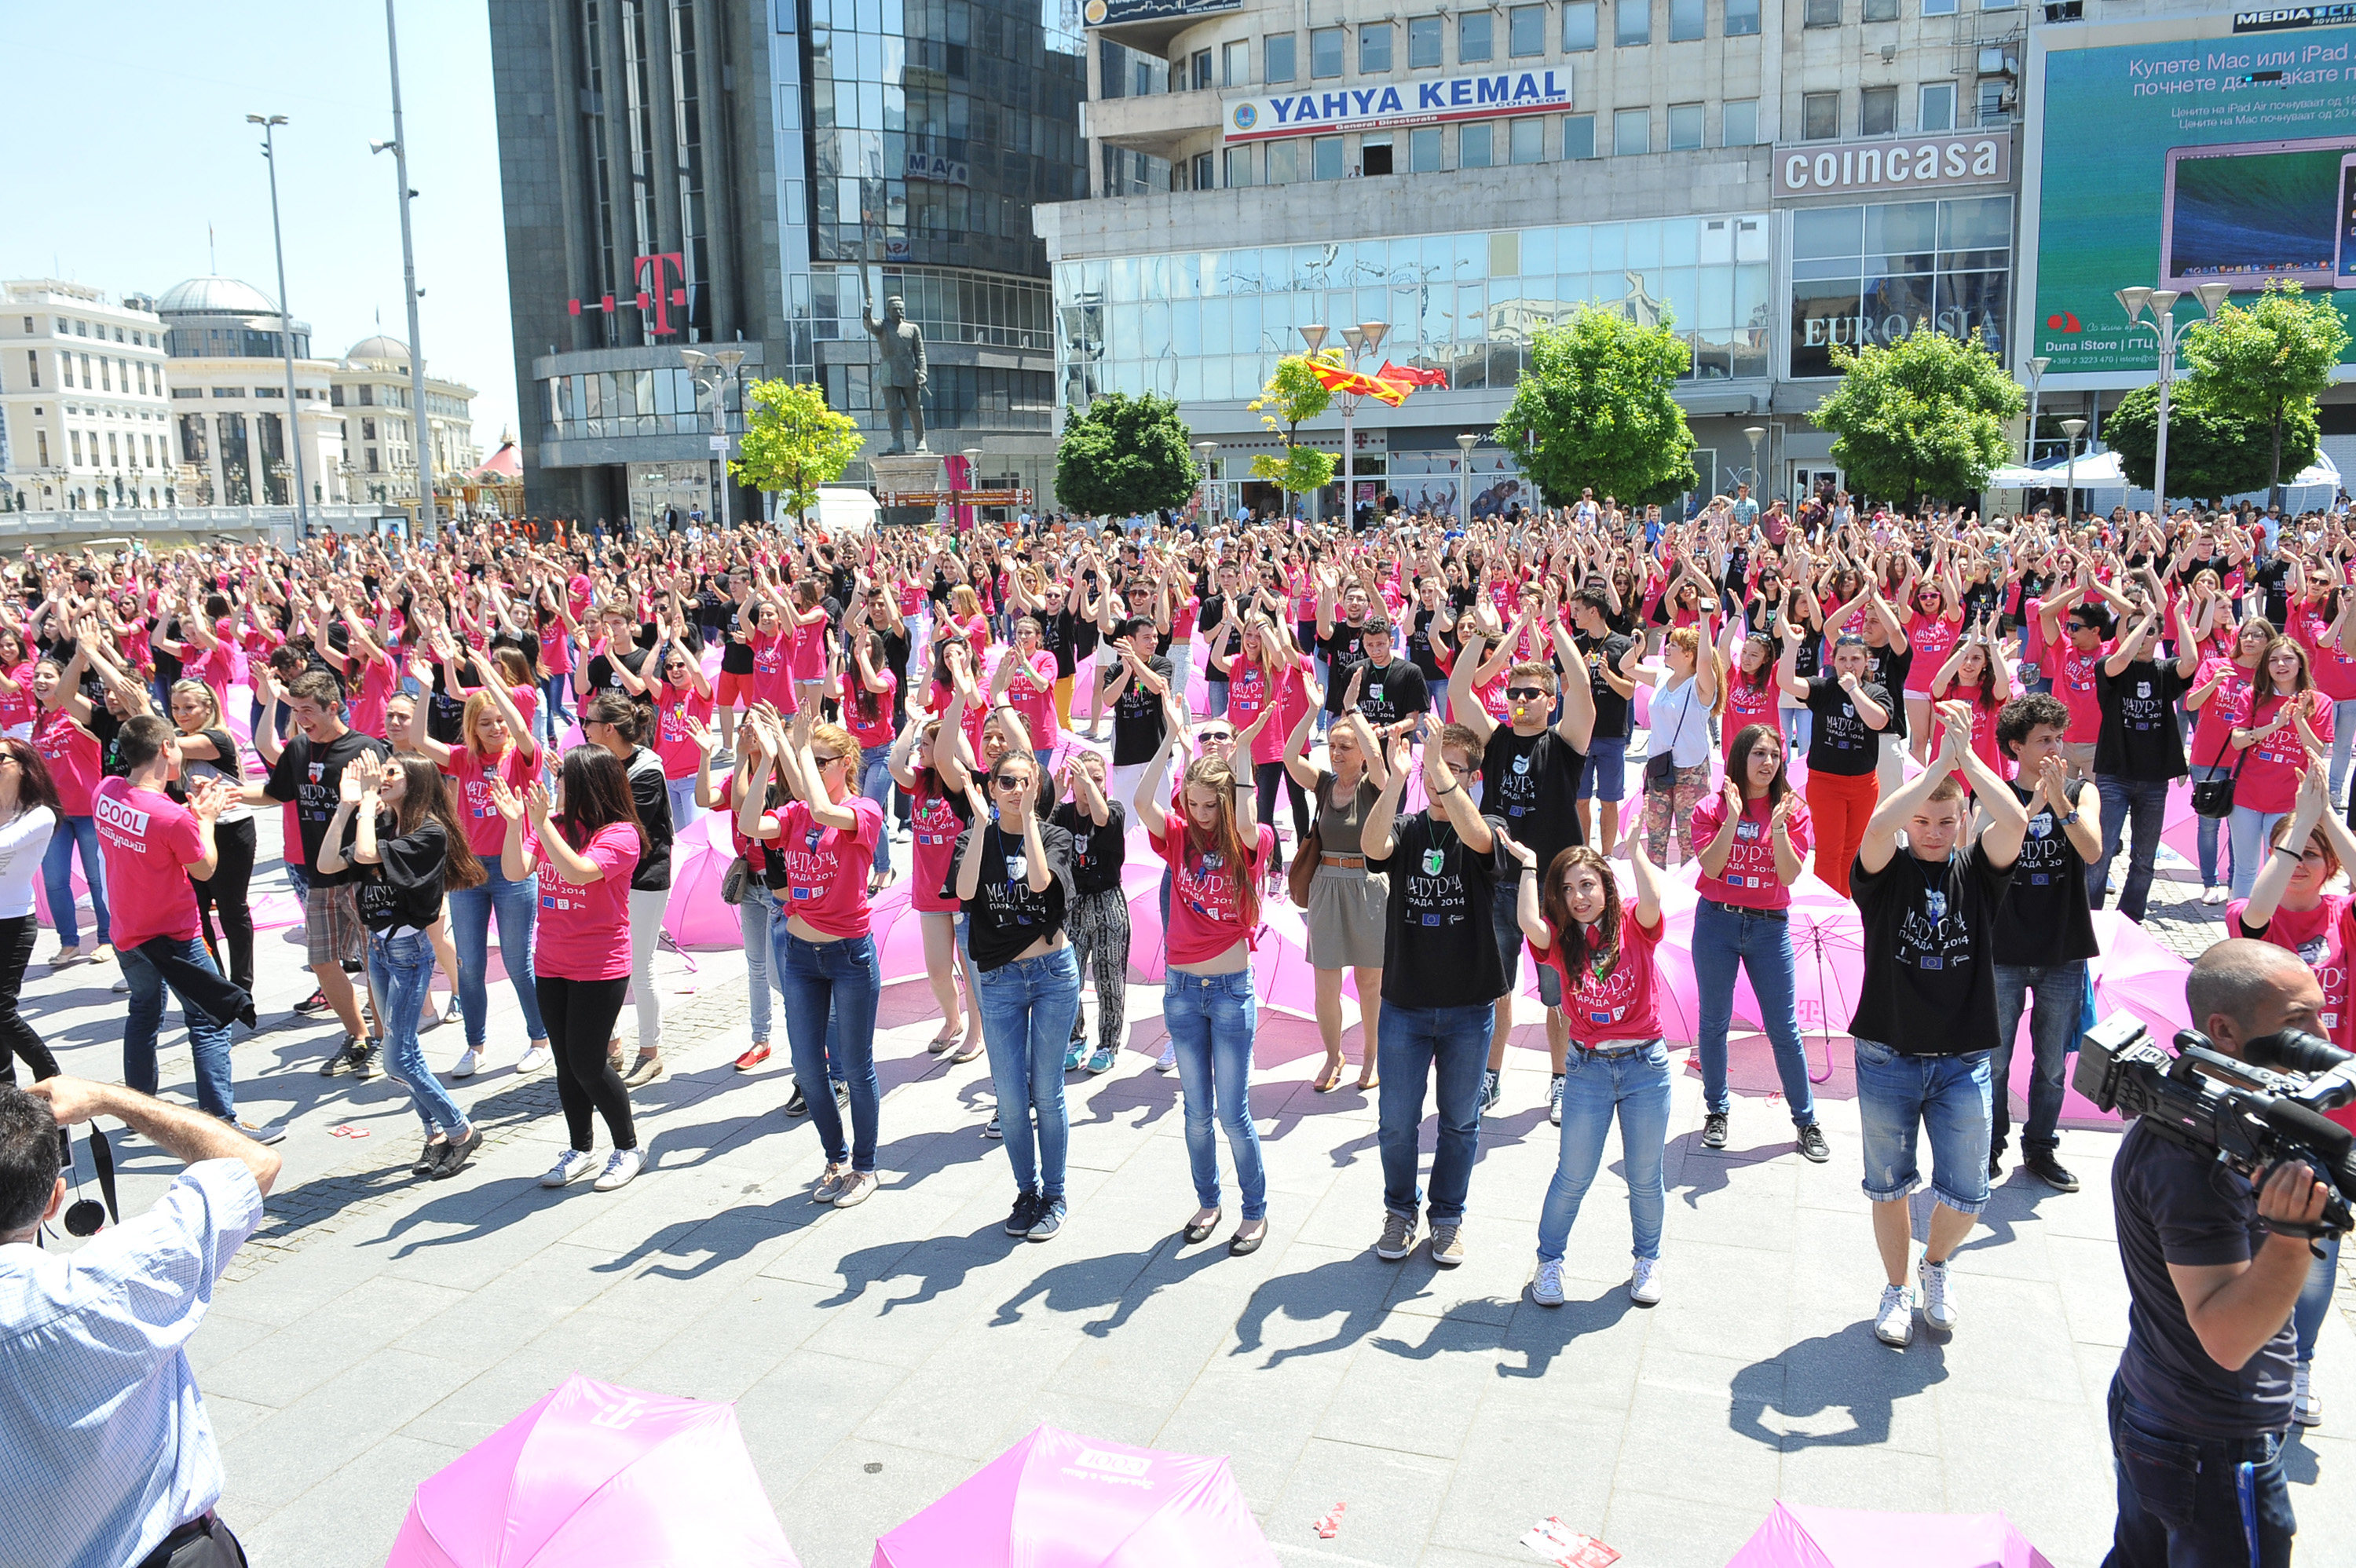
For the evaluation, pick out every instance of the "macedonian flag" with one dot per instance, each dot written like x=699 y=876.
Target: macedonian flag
x=1407 y=376
x=1334 y=379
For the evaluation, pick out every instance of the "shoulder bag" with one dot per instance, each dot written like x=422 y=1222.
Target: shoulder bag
x=1661 y=771
x=2214 y=797
x=1309 y=854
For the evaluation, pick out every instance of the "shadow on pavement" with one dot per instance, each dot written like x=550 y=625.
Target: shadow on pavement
x=1787 y=1401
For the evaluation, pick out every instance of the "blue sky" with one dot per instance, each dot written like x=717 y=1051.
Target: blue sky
x=127 y=138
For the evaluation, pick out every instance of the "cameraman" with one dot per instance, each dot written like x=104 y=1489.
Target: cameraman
x=2202 y=1399
x=98 y=1404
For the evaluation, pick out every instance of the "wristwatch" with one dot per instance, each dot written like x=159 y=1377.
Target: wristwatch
x=2070 y=820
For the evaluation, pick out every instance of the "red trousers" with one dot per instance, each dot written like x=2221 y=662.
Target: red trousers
x=1839 y=806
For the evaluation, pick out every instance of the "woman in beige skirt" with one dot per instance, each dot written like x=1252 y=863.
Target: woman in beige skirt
x=1346 y=901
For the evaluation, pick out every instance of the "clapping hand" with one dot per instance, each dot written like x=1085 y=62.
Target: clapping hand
x=1522 y=854
x=510 y=804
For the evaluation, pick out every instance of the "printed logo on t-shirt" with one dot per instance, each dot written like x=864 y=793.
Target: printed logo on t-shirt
x=1204 y=890
x=1936 y=935
x=125 y=824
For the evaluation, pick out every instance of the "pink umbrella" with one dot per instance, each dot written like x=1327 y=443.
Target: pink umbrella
x=2133 y=974
x=1799 y=1535
x=592 y=1474
x=1056 y=1500
x=695 y=915
x=1281 y=973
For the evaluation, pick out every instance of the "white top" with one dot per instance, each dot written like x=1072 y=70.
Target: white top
x=22 y=844
x=1681 y=723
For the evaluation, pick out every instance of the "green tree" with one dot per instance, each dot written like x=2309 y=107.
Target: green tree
x=2212 y=451
x=1594 y=406
x=1125 y=454
x=793 y=443
x=1292 y=396
x=1923 y=417
x=2266 y=362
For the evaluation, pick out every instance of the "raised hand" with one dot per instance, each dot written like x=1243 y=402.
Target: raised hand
x=510 y=804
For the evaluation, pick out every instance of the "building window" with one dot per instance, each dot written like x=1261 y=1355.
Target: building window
x=1473 y=146
x=1206 y=173
x=1688 y=19
x=1685 y=126
x=228 y=392
x=1633 y=22
x=1579 y=25
x=1578 y=136
x=1525 y=30
x=75 y=436
x=33 y=363
x=1275 y=56
x=1284 y=162
x=1995 y=104
x=1739 y=122
x=1525 y=139
x=1202 y=75
x=1324 y=52
x=1243 y=165
x=41 y=439
x=1374 y=49
x=1938 y=7
x=1325 y=158
x=1234 y=63
x=1423 y=150
x=1876 y=112
x=1938 y=106
x=1881 y=10
x=1473 y=41
x=1821 y=13
x=368 y=430
x=1820 y=116
x=1632 y=133
x=1375 y=155
x=1874 y=274
x=1422 y=42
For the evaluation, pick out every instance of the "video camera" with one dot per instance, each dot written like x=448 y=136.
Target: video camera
x=2250 y=1114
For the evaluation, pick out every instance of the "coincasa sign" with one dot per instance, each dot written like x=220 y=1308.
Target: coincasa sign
x=1921 y=163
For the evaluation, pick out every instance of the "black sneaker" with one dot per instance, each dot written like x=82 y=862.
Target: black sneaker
x=796 y=1104
x=364 y=1060
x=341 y=1057
x=315 y=1002
x=1813 y=1146
x=1492 y=1091
x=1713 y=1130
x=1051 y=1212
x=1995 y=1165
x=2041 y=1164
x=1025 y=1214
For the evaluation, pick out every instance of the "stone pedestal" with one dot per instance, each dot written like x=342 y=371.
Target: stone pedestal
x=908 y=472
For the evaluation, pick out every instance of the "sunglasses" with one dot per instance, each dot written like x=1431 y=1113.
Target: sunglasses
x=1216 y=735
x=826 y=759
x=1011 y=785
x=1525 y=693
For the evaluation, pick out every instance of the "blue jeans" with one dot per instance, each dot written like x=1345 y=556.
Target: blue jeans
x=2147 y=799
x=753 y=918
x=2206 y=831
x=1217 y=697
x=2252 y=831
x=1799 y=728
x=207 y=1037
x=1449 y=1046
x=2180 y=1496
x=401 y=968
x=683 y=809
x=2343 y=730
x=1636 y=1085
x=2060 y=1001
x=840 y=978
x=471 y=910
x=875 y=784
x=1724 y=940
x=1211 y=1019
x=1898 y=1096
x=57 y=865
x=1027 y=1008
x=552 y=690
x=2314 y=1299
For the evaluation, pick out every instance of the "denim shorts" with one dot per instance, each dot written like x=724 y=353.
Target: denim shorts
x=1899 y=1096
x=1606 y=774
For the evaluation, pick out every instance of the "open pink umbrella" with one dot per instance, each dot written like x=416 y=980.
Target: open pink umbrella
x=1056 y=1500
x=695 y=915
x=1800 y=1535
x=595 y=1475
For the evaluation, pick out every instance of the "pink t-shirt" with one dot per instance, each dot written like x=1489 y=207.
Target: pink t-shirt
x=148 y=840
x=826 y=868
x=1932 y=638
x=1982 y=737
x=809 y=650
x=2227 y=709
x=583 y=932
x=20 y=706
x=2074 y=682
x=486 y=830
x=674 y=706
x=1748 y=879
x=1745 y=705
x=1206 y=894
x=2269 y=780
x=2334 y=672
x=1037 y=702
x=371 y=683
x=773 y=678
x=933 y=828
x=875 y=730
x=1620 y=1005
x=75 y=762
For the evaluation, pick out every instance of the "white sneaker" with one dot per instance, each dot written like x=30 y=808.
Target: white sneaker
x=1893 y=1320
x=1553 y=1100
x=1168 y=1061
x=571 y=1166
x=1547 y=1289
x=1644 y=1286
x=622 y=1168
x=1938 y=1296
x=466 y=1065
x=2215 y=895
x=2305 y=1404
x=533 y=1060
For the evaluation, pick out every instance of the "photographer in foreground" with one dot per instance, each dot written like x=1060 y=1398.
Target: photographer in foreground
x=98 y=1404
x=2202 y=1399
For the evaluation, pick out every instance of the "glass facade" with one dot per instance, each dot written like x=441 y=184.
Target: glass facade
x=1211 y=325
x=1877 y=273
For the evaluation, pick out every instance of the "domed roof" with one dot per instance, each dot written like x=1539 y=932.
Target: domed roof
x=214 y=296
x=379 y=347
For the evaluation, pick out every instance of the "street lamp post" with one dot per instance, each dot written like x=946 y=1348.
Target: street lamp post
x=1313 y=337
x=2074 y=429
x=2037 y=368
x=1757 y=433
x=1364 y=338
x=2162 y=302
x=1207 y=453
x=270 y=124
x=421 y=435
x=972 y=455
x=712 y=371
x=1464 y=444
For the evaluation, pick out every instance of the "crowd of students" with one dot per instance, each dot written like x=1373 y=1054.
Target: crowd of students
x=1988 y=712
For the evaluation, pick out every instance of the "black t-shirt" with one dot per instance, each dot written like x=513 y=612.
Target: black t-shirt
x=735 y=657
x=1420 y=651
x=2141 y=738
x=405 y=888
x=1930 y=964
x=602 y=677
x=1345 y=651
x=1439 y=942
x=1611 y=709
x=1530 y=782
x=1394 y=692
x=1888 y=671
x=1840 y=741
x=1137 y=721
x=311 y=778
x=2274 y=578
x=2172 y=1206
x=652 y=796
x=1005 y=916
x=2045 y=918
x=1097 y=853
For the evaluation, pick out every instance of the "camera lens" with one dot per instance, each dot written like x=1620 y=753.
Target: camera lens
x=2295 y=1050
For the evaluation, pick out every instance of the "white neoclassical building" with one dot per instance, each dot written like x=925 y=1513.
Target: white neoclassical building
x=372 y=393
x=225 y=340
x=84 y=419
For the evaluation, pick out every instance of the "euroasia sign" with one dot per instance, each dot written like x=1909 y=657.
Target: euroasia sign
x=1915 y=164
x=1392 y=105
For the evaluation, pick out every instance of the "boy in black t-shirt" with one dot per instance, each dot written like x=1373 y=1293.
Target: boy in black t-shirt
x=1099 y=916
x=1925 y=1018
x=2138 y=751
